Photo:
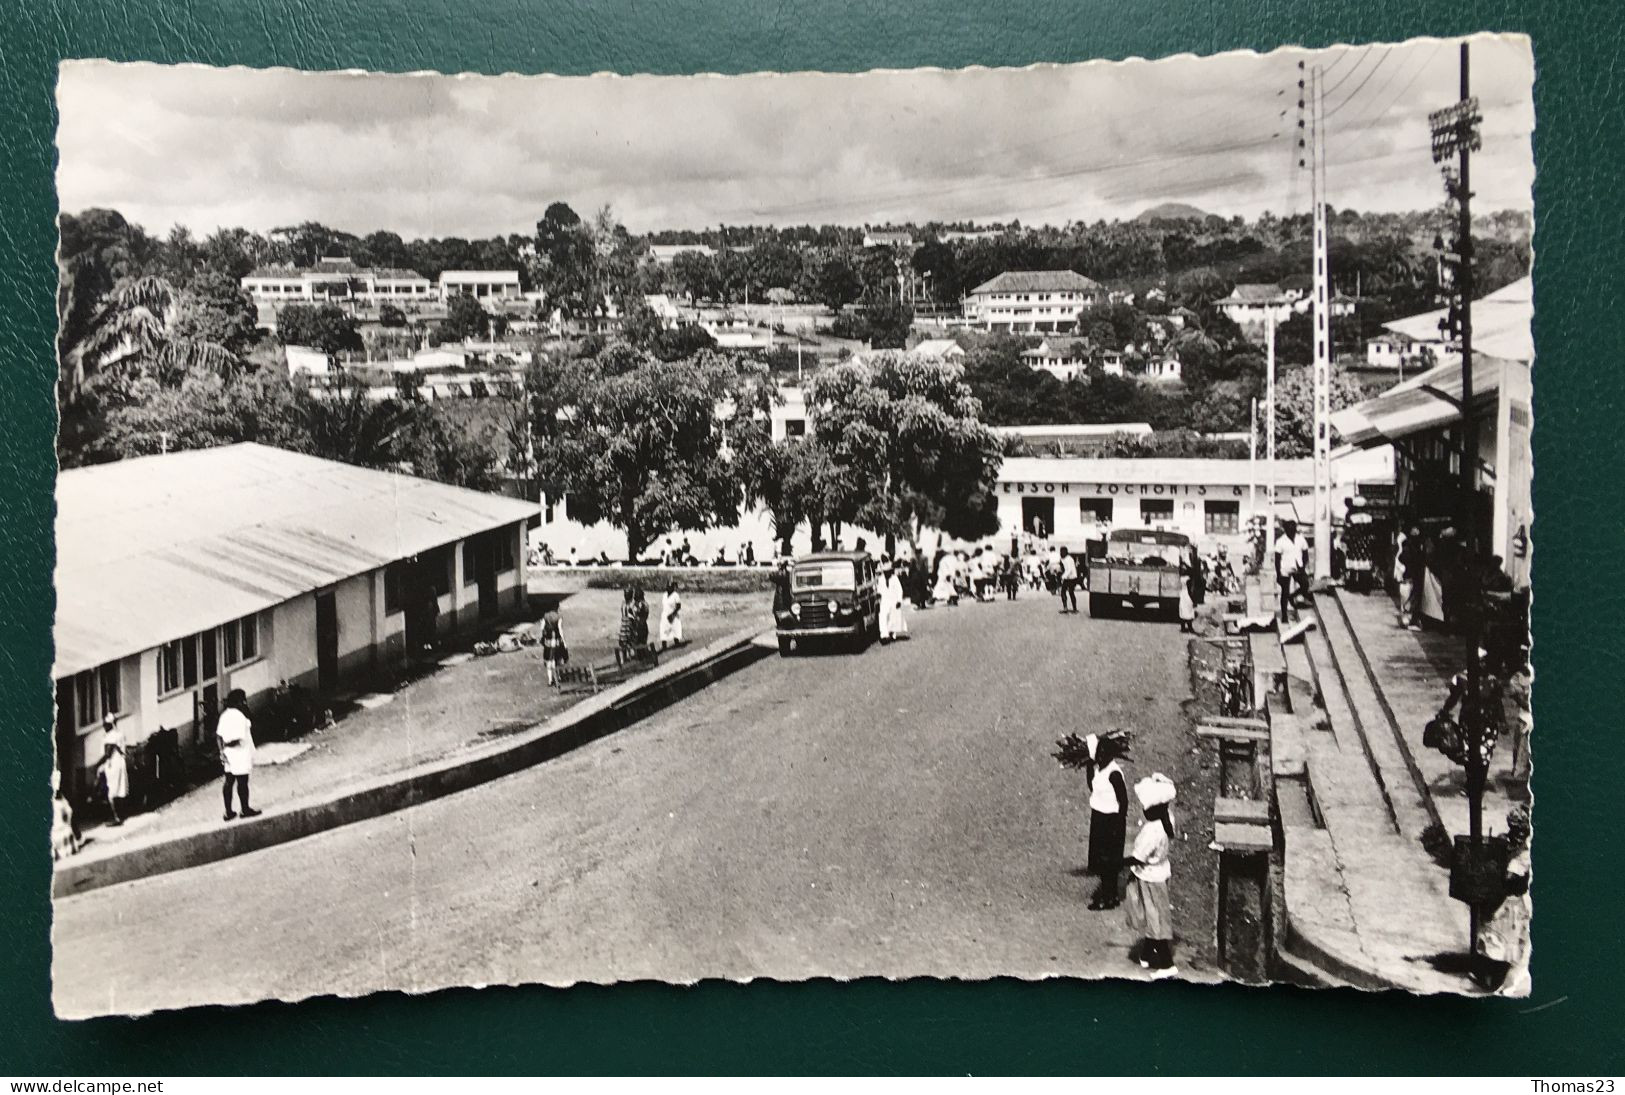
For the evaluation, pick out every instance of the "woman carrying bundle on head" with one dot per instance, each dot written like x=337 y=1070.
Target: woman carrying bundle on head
x=1150 y=913
x=1108 y=815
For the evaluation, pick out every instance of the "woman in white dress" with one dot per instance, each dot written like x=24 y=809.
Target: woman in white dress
x=671 y=618
x=115 y=766
x=892 y=624
x=945 y=590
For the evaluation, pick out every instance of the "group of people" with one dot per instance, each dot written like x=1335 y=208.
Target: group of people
x=1149 y=911
x=634 y=629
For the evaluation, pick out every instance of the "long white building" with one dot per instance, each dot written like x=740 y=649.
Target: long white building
x=181 y=577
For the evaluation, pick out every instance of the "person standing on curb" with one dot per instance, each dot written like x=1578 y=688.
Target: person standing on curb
x=1288 y=561
x=1150 y=914
x=115 y=767
x=1108 y=818
x=235 y=732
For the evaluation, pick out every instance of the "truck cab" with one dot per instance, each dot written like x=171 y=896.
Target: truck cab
x=833 y=595
x=1138 y=572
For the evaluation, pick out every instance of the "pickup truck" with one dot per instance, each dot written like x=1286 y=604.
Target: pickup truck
x=1139 y=571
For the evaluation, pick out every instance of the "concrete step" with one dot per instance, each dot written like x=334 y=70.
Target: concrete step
x=1408 y=802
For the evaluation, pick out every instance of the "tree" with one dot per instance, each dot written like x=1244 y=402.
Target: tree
x=1295 y=408
x=835 y=282
x=693 y=275
x=214 y=309
x=908 y=439
x=887 y=323
x=651 y=445
x=797 y=482
x=324 y=327
x=466 y=318
x=133 y=337
x=390 y=315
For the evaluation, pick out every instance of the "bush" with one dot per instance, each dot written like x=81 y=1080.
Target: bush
x=688 y=579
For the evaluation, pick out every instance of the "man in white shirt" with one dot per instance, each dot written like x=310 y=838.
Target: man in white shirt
x=235 y=732
x=1302 y=573
x=1069 y=582
x=1288 y=561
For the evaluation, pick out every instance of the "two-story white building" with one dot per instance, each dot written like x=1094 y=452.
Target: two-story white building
x=1032 y=300
x=483 y=285
x=181 y=577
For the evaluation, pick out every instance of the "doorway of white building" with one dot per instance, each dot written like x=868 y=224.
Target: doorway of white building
x=1038 y=516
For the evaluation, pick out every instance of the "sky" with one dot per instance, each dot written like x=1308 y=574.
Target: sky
x=476 y=156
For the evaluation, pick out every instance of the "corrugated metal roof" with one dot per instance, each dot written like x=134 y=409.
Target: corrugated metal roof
x=1166 y=470
x=158 y=547
x=1501 y=323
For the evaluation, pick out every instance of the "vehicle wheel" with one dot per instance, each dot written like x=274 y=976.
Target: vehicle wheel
x=1097 y=606
x=784 y=648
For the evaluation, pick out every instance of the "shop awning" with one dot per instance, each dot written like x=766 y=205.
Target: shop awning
x=1427 y=401
x=1501 y=323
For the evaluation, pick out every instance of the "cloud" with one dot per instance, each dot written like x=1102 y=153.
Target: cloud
x=474 y=156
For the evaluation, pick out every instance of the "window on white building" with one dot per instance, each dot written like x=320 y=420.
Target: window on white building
x=1221 y=517
x=1095 y=511
x=1155 y=511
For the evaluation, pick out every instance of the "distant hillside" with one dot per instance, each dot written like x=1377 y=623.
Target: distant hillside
x=1172 y=211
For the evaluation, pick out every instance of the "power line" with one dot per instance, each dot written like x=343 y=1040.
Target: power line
x=1358 y=87
x=1362 y=58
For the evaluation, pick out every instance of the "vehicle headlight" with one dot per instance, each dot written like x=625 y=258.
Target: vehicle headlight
x=834 y=607
x=795 y=609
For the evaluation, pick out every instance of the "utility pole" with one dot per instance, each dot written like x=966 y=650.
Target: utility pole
x=1252 y=464
x=1322 y=338
x=1456 y=134
x=1269 y=435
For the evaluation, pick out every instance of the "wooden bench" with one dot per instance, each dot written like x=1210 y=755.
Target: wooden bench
x=593 y=678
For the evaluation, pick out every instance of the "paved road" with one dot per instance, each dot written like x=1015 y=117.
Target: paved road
x=894 y=814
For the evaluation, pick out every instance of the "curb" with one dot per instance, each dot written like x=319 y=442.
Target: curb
x=593 y=718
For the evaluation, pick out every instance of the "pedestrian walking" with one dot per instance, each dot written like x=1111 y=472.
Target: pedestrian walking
x=671 y=617
x=554 y=652
x=1192 y=588
x=1069 y=582
x=1150 y=913
x=1108 y=817
x=115 y=766
x=1288 y=560
x=640 y=620
x=892 y=624
x=946 y=590
x=626 y=636
x=1411 y=567
x=234 y=730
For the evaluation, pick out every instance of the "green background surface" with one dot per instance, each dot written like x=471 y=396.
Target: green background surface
x=1574 y=1023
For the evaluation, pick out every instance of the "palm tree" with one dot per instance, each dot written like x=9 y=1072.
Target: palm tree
x=130 y=337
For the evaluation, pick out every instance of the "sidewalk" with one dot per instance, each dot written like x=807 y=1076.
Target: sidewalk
x=1365 y=903
x=464 y=705
x=1413 y=671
